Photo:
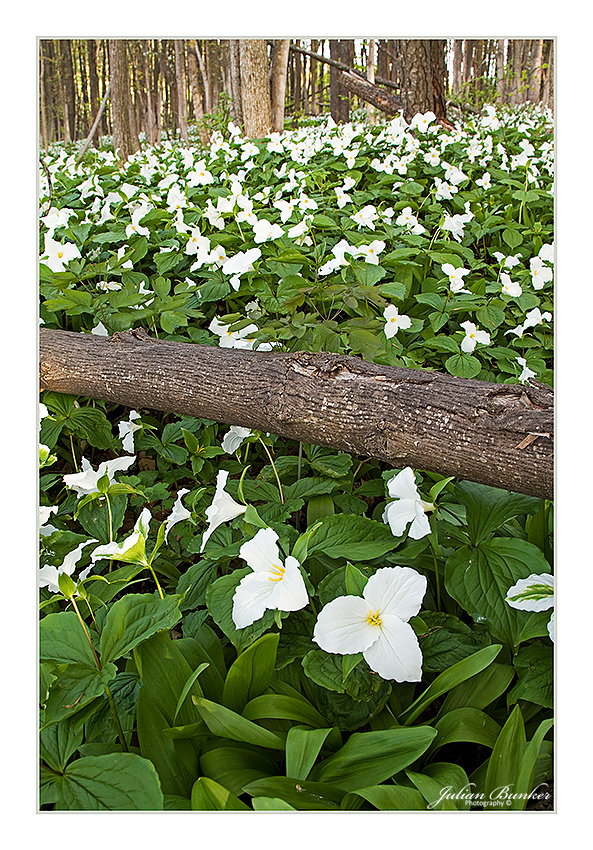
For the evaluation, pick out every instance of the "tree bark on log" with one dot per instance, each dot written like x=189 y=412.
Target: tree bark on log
x=495 y=434
x=370 y=93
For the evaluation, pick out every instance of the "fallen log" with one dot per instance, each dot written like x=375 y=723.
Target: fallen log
x=496 y=434
x=370 y=93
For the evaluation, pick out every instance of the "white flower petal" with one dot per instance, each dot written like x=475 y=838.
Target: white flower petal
x=342 y=626
x=396 y=590
x=251 y=599
x=261 y=552
x=289 y=593
x=396 y=654
x=398 y=514
x=421 y=526
x=403 y=485
x=536 y=593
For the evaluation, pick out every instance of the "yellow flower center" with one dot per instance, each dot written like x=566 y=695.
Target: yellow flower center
x=374 y=619
x=60 y=254
x=277 y=573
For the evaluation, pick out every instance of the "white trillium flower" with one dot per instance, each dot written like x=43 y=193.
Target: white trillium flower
x=133 y=548
x=45 y=512
x=510 y=287
x=527 y=373
x=264 y=231
x=178 y=514
x=127 y=428
x=376 y=624
x=455 y=276
x=407 y=507
x=535 y=593
x=394 y=322
x=473 y=336
x=57 y=255
x=234 y=438
x=408 y=220
x=241 y=262
x=48 y=576
x=223 y=507
x=85 y=482
x=540 y=274
x=370 y=253
x=272 y=584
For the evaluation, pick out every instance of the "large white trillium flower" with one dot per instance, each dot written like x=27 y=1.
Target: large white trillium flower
x=376 y=624
x=234 y=437
x=223 y=507
x=472 y=337
x=272 y=584
x=407 y=507
x=534 y=593
x=133 y=548
x=48 y=576
x=85 y=482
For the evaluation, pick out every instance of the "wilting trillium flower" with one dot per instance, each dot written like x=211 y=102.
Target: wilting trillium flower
x=178 y=514
x=376 y=624
x=223 y=507
x=473 y=336
x=407 y=507
x=48 y=576
x=127 y=429
x=394 y=322
x=85 y=482
x=133 y=549
x=234 y=438
x=272 y=584
x=535 y=593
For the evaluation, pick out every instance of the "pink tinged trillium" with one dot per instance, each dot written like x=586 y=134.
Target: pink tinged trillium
x=272 y=584
x=376 y=624
x=85 y=482
x=473 y=336
x=394 y=322
x=408 y=507
x=535 y=593
x=178 y=514
x=133 y=548
x=48 y=576
x=223 y=508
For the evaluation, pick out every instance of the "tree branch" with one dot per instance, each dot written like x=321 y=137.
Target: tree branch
x=496 y=434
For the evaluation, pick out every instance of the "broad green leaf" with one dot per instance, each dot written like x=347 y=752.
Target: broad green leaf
x=369 y=758
x=302 y=748
x=449 y=679
x=194 y=583
x=463 y=365
x=228 y=724
x=188 y=686
x=251 y=673
x=478 y=578
x=399 y=798
x=133 y=619
x=62 y=639
x=234 y=766
x=437 y=778
x=74 y=688
x=507 y=754
x=354 y=537
x=480 y=690
x=512 y=238
x=448 y=641
x=116 y=782
x=355 y=580
x=282 y=707
x=465 y=724
x=488 y=508
x=58 y=742
x=304 y=795
x=176 y=762
x=535 y=675
x=271 y=804
x=208 y=795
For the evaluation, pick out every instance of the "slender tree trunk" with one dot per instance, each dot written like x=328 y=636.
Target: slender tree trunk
x=42 y=98
x=423 y=77
x=181 y=88
x=497 y=434
x=500 y=76
x=313 y=77
x=535 y=71
x=278 y=82
x=69 y=90
x=123 y=141
x=371 y=115
x=255 y=87
x=235 y=76
x=457 y=60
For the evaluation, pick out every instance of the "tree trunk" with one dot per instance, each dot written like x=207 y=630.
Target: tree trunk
x=423 y=77
x=338 y=95
x=42 y=98
x=278 y=82
x=371 y=115
x=180 y=80
x=500 y=70
x=69 y=91
x=123 y=141
x=235 y=76
x=457 y=59
x=535 y=71
x=496 y=434
x=255 y=87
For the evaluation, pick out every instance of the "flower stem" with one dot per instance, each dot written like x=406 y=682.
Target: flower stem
x=156 y=581
x=120 y=731
x=85 y=630
x=73 y=455
x=274 y=468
